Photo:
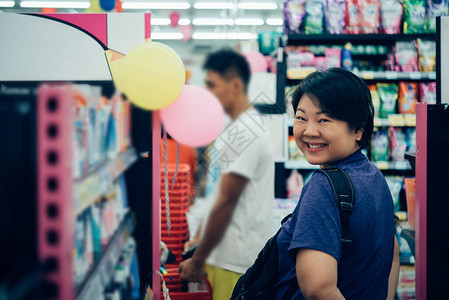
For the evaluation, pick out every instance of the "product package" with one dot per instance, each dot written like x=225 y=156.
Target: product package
x=333 y=57
x=410 y=139
x=415 y=15
x=407 y=56
x=390 y=16
x=369 y=16
x=408 y=97
x=294 y=13
x=395 y=184
x=313 y=23
x=427 y=55
x=334 y=15
x=375 y=98
x=435 y=8
x=352 y=17
x=398 y=145
x=410 y=192
x=268 y=42
x=388 y=93
x=428 y=92
x=380 y=149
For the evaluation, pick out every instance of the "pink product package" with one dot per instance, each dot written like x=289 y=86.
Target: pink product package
x=407 y=56
x=428 y=92
x=390 y=16
x=352 y=17
x=320 y=63
x=333 y=57
x=369 y=16
x=334 y=15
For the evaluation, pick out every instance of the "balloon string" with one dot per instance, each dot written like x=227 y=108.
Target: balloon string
x=167 y=201
x=177 y=163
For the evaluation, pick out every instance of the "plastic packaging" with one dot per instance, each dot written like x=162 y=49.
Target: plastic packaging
x=428 y=92
x=313 y=23
x=333 y=57
x=346 y=59
x=408 y=97
x=427 y=55
x=410 y=139
x=397 y=144
x=395 y=184
x=380 y=149
x=435 y=8
x=388 y=93
x=407 y=56
x=390 y=16
x=334 y=15
x=352 y=17
x=415 y=15
x=294 y=13
x=369 y=15
x=375 y=98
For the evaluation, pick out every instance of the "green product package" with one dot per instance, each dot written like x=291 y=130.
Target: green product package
x=415 y=16
x=380 y=150
x=314 y=17
x=388 y=93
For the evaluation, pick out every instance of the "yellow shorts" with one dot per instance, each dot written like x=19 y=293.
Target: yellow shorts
x=222 y=281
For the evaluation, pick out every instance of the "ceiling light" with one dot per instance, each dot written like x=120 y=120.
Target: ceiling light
x=184 y=21
x=249 y=22
x=166 y=36
x=223 y=36
x=162 y=21
x=212 y=21
x=258 y=5
x=213 y=5
x=274 y=21
x=156 y=5
x=56 y=4
x=6 y=3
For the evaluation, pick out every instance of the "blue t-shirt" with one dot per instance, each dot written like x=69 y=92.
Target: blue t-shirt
x=363 y=266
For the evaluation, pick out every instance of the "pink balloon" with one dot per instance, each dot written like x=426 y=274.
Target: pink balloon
x=174 y=19
x=195 y=119
x=186 y=31
x=257 y=62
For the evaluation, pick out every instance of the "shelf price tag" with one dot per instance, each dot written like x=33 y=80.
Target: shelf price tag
x=368 y=75
x=396 y=120
x=410 y=120
x=415 y=75
x=432 y=75
x=377 y=122
x=382 y=165
x=391 y=75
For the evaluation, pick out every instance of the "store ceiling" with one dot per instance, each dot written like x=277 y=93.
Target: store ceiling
x=207 y=19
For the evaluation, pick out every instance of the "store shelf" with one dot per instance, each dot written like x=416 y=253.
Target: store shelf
x=390 y=165
x=384 y=76
x=97 y=279
x=89 y=188
x=326 y=39
x=299 y=164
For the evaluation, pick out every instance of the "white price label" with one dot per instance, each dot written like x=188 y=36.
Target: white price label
x=415 y=75
x=390 y=75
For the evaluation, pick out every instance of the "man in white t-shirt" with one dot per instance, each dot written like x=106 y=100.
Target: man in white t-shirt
x=239 y=219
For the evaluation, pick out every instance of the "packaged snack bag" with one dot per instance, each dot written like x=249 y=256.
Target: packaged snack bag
x=410 y=139
x=397 y=144
x=294 y=13
x=427 y=55
x=334 y=15
x=376 y=99
x=390 y=16
x=352 y=17
x=415 y=15
x=380 y=150
x=395 y=184
x=408 y=97
x=313 y=23
x=407 y=56
x=333 y=57
x=435 y=8
x=388 y=93
x=428 y=92
x=369 y=15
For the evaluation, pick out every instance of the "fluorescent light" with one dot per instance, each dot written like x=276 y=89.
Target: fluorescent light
x=212 y=21
x=163 y=21
x=6 y=3
x=274 y=21
x=56 y=4
x=213 y=5
x=155 y=5
x=166 y=36
x=257 y=5
x=249 y=22
x=223 y=36
x=184 y=21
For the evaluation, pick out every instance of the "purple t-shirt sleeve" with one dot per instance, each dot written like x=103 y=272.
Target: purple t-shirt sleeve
x=317 y=220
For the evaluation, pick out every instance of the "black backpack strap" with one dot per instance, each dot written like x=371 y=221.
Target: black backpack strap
x=344 y=194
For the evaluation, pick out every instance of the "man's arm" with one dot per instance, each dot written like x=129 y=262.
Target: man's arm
x=231 y=187
x=316 y=272
x=394 y=273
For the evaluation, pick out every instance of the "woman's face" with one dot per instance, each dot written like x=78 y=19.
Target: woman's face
x=323 y=140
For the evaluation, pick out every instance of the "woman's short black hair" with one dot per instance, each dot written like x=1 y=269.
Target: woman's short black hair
x=340 y=95
x=229 y=63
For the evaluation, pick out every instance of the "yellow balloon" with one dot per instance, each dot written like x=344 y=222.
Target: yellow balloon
x=152 y=76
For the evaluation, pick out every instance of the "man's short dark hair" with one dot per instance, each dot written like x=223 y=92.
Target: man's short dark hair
x=341 y=95
x=228 y=63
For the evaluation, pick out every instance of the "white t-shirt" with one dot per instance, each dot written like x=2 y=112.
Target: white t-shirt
x=245 y=148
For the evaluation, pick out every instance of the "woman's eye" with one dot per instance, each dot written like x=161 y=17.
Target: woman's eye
x=323 y=120
x=300 y=118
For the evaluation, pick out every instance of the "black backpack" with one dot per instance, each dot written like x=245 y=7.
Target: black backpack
x=259 y=279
